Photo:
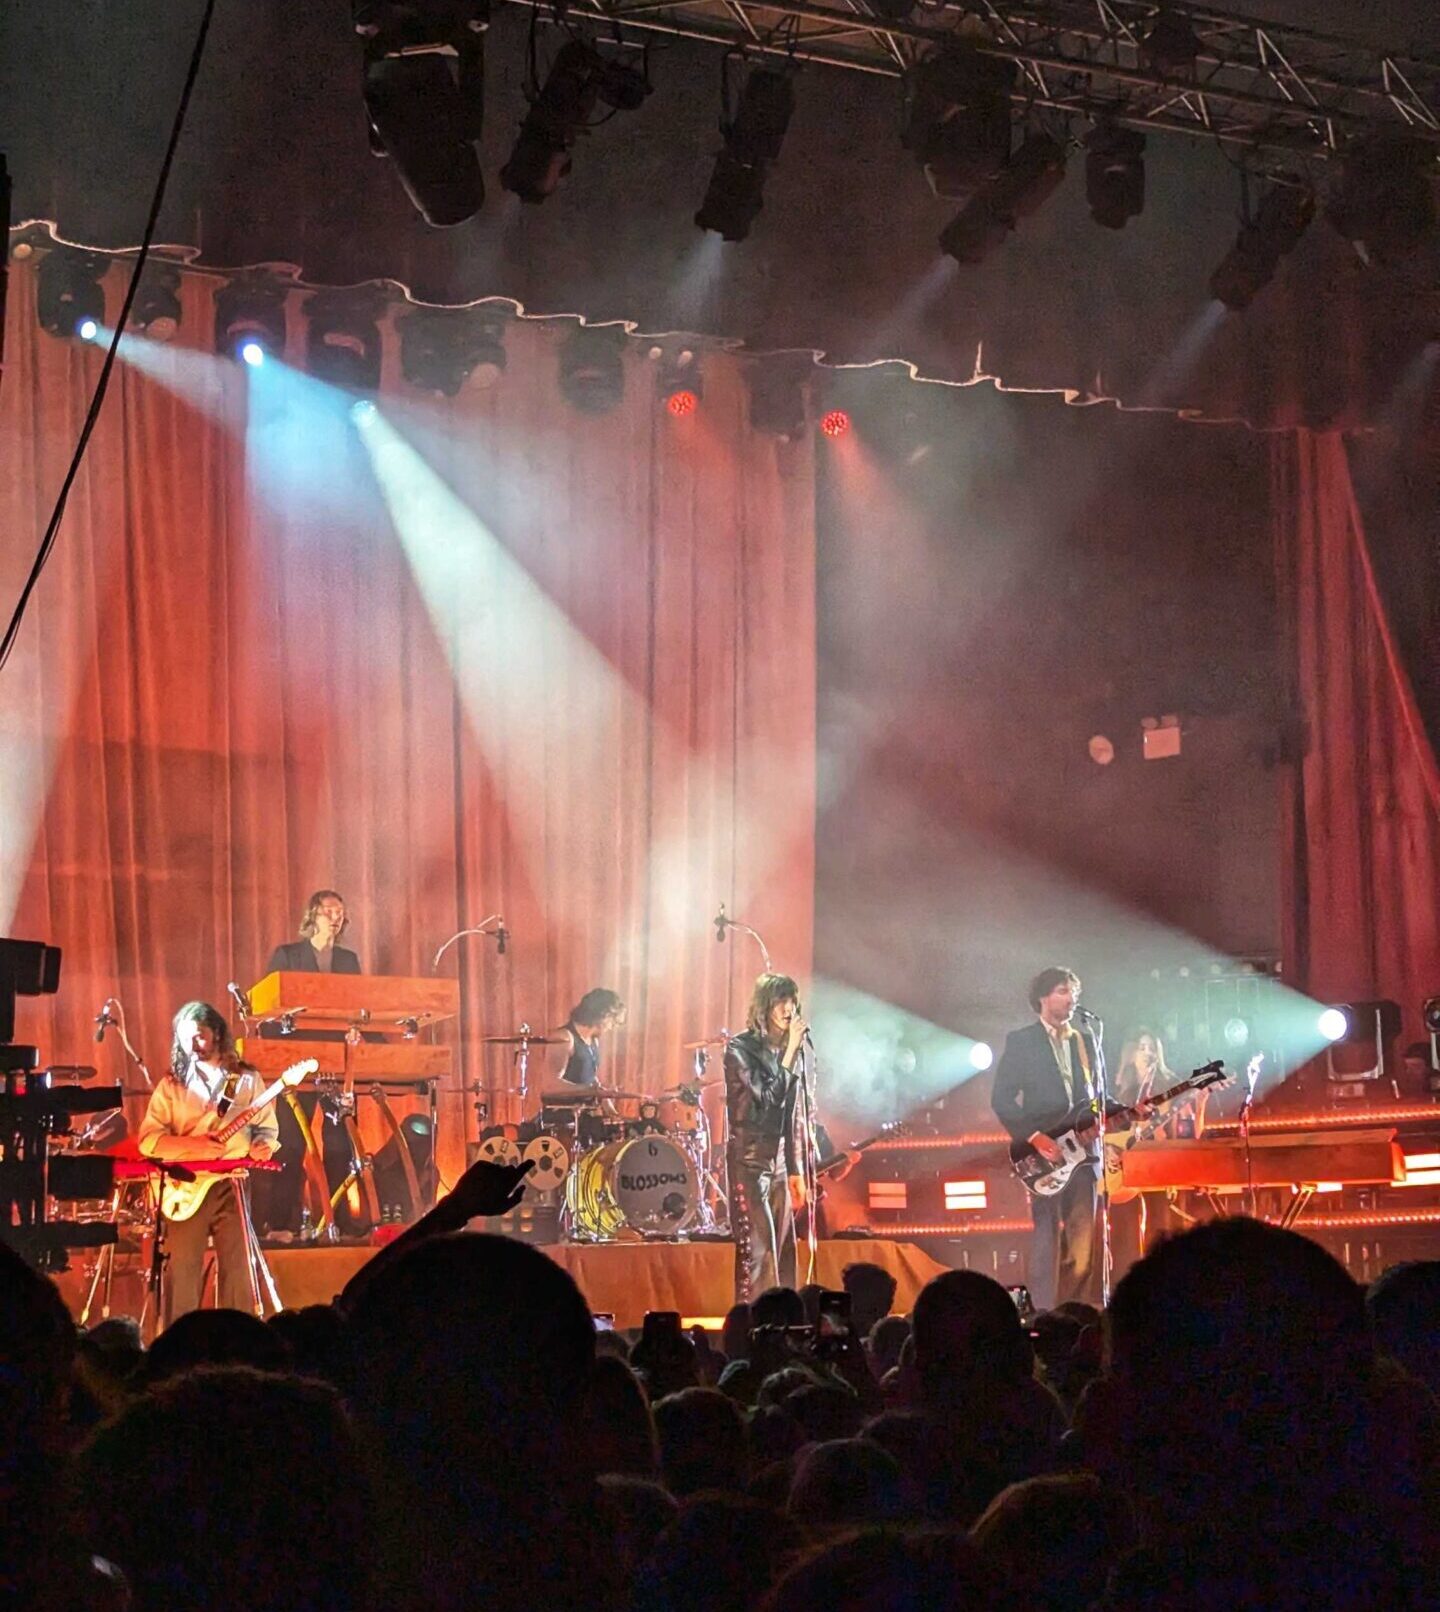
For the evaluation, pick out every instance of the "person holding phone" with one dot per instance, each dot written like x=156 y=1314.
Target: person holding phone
x=762 y=1075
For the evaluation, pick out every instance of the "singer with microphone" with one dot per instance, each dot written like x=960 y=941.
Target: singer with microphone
x=763 y=1070
x=1045 y=1075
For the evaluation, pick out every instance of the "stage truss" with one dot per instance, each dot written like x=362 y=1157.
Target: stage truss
x=1288 y=97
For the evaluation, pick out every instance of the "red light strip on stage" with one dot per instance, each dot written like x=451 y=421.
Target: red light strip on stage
x=961 y=1228
x=1359 y=1221
x=1332 y=1119
x=915 y=1144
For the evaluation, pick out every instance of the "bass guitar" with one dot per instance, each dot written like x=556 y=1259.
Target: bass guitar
x=1045 y=1179
x=180 y=1199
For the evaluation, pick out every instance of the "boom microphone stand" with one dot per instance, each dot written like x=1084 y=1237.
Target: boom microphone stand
x=722 y=923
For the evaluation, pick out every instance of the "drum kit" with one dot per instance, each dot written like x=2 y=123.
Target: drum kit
x=617 y=1165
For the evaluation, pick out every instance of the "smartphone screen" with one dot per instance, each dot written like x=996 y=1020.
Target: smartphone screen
x=604 y=1320
x=833 y=1319
x=661 y=1325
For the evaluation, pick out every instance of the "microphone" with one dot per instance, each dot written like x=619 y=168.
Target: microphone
x=502 y=934
x=722 y=923
x=1087 y=1015
x=239 y=998
x=103 y=1021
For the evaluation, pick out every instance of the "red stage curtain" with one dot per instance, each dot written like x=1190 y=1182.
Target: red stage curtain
x=1362 y=813
x=234 y=686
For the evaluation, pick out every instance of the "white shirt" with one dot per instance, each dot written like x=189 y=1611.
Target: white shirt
x=182 y=1109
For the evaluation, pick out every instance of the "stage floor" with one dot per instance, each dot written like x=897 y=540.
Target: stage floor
x=624 y=1279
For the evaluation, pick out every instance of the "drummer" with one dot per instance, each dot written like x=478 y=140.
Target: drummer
x=595 y=1013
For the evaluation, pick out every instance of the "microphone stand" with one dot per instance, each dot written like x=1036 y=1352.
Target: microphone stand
x=1251 y=1074
x=1096 y=1026
x=754 y=934
x=482 y=928
x=119 y=1023
x=808 y=1150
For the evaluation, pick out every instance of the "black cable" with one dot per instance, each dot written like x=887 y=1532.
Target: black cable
x=92 y=415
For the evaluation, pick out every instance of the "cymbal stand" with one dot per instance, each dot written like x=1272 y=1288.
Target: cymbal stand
x=102 y=1279
x=522 y=1064
x=712 y=1193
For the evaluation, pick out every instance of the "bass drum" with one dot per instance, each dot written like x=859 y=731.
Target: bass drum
x=646 y=1184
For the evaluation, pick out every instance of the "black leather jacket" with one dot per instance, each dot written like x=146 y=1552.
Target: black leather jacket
x=760 y=1100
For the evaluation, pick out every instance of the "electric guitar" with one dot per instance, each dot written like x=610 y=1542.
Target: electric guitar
x=896 y=1127
x=1118 y=1143
x=180 y=1199
x=1045 y=1179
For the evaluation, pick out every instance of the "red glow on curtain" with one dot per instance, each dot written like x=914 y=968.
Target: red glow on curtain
x=229 y=694
x=1362 y=814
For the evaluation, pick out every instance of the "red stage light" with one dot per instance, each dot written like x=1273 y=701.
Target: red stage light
x=836 y=423
x=681 y=403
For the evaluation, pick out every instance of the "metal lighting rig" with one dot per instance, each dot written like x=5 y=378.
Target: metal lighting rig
x=1290 y=95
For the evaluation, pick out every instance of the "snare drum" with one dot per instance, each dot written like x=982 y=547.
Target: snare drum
x=647 y=1184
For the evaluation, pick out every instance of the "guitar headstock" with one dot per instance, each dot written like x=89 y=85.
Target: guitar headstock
x=298 y=1071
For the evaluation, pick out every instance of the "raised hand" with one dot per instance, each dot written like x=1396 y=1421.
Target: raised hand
x=490 y=1189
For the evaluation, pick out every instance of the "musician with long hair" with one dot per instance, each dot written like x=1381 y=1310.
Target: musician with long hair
x=205 y=1082
x=316 y=952
x=598 y=1011
x=1142 y=1073
x=762 y=1075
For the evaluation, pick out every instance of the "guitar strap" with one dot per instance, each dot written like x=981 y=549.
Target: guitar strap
x=226 y=1098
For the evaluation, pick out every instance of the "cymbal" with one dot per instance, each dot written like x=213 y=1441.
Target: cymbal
x=690 y=1085
x=516 y=1040
x=625 y=1096
x=695 y=1046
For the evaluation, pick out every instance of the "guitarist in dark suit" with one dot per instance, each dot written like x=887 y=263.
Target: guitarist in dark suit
x=1046 y=1072
x=315 y=952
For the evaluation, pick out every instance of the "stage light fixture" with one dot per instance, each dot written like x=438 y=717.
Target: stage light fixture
x=1333 y=1023
x=992 y=213
x=1172 y=45
x=1114 y=174
x=156 y=312
x=250 y=321
x=678 y=380
x=342 y=345
x=982 y=1055
x=777 y=395
x=443 y=348
x=1430 y=1014
x=1279 y=221
x=592 y=372
x=1384 y=201
x=363 y=411
x=424 y=90
x=1357 y=1033
x=957 y=117
x=753 y=137
x=70 y=298
x=578 y=78
x=835 y=423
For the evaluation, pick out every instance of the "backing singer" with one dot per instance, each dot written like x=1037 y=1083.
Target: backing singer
x=762 y=1068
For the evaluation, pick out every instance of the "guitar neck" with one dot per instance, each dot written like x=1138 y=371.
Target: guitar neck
x=244 y=1117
